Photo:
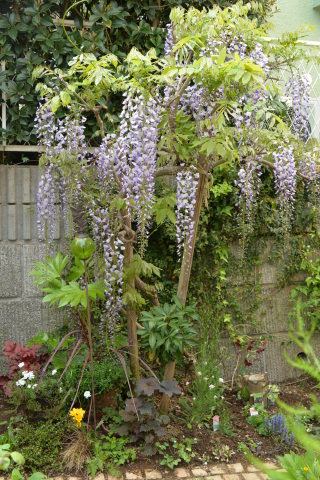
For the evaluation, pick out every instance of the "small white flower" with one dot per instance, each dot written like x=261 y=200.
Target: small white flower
x=199 y=374
x=205 y=378
x=29 y=385
x=222 y=397
x=211 y=386
x=87 y=394
x=193 y=398
x=28 y=375
x=206 y=363
x=60 y=389
x=54 y=372
x=21 y=382
x=21 y=364
x=221 y=380
x=215 y=397
x=187 y=383
x=34 y=386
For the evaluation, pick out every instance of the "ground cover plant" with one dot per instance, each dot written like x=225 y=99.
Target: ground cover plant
x=207 y=112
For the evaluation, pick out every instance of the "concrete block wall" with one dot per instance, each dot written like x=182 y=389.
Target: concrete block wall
x=22 y=314
x=272 y=323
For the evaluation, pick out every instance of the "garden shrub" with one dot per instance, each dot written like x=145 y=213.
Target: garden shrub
x=41 y=443
x=108 y=376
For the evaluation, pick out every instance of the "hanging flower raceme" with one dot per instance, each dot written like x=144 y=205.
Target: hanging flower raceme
x=113 y=254
x=298 y=91
x=143 y=139
x=285 y=175
x=125 y=166
x=187 y=181
x=54 y=186
x=310 y=169
x=248 y=183
x=168 y=44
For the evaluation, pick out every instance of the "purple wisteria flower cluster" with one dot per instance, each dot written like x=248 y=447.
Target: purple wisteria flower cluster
x=129 y=160
x=113 y=254
x=187 y=181
x=62 y=139
x=248 y=183
x=297 y=90
x=126 y=167
x=309 y=168
x=285 y=175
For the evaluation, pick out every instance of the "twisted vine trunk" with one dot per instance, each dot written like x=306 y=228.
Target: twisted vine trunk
x=184 y=278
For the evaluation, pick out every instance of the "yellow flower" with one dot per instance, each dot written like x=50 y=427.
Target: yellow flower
x=305 y=469
x=77 y=415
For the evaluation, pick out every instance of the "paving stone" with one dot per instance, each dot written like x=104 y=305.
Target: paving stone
x=199 y=472
x=263 y=476
x=74 y=478
x=235 y=468
x=134 y=476
x=152 y=474
x=215 y=477
x=55 y=478
x=271 y=465
x=252 y=476
x=100 y=476
x=217 y=469
x=112 y=477
x=252 y=468
x=232 y=476
x=181 y=473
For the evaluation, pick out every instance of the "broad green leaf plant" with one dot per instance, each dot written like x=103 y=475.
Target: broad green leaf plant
x=66 y=290
x=167 y=330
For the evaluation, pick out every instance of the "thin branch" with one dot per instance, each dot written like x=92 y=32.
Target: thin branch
x=81 y=100
x=148 y=290
x=96 y=111
x=271 y=165
x=168 y=171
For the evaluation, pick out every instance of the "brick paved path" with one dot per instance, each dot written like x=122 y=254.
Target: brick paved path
x=235 y=471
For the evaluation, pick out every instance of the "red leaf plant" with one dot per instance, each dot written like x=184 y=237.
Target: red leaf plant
x=17 y=353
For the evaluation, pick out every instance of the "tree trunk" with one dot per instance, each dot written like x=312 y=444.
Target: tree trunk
x=184 y=278
x=131 y=315
x=185 y=272
x=168 y=375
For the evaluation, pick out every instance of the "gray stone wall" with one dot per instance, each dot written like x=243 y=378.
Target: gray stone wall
x=272 y=323
x=22 y=315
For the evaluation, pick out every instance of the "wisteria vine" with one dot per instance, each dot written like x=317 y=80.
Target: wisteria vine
x=187 y=181
x=285 y=175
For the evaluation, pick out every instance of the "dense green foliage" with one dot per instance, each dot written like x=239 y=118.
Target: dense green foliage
x=166 y=331
x=29 y=37
x=41 y=443
x=109 y=452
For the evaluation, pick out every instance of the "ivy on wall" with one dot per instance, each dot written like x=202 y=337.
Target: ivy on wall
x=29 y=37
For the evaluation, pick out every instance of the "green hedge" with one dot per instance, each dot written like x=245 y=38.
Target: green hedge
x=29 y=37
